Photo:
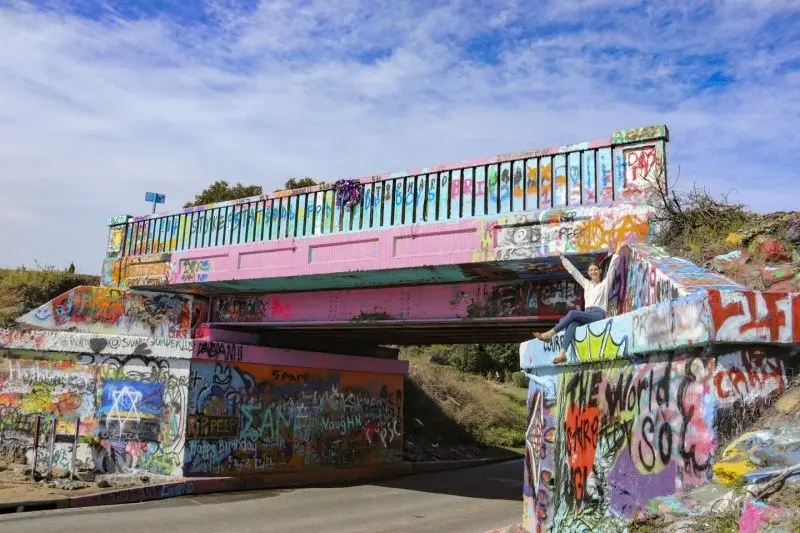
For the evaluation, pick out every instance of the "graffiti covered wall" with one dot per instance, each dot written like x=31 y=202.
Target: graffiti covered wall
x=647 y=275
x=131 y=409
x=138 y=401
x=570 y=230
x=604 y=439
x=120 y=312
x=583 y=173
x=255 y=418
x=701 y=317
x=451 y=301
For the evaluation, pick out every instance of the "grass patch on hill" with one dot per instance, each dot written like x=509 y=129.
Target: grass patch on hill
x=447 y=407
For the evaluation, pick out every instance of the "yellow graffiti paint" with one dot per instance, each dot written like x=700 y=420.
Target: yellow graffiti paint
x=484 y=231
x=731 y=468
x=732 y=473
x=115 y=239
x=599 y=346
x=606 y=232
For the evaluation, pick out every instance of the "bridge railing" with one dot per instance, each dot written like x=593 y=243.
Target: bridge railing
x=617 y=169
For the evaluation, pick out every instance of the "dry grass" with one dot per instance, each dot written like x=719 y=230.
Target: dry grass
x=491 y=414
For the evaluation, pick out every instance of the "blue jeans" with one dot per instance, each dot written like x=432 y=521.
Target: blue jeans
x=573 y=319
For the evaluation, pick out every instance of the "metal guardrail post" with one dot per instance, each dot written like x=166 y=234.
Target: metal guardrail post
x=74 y=449
x=51 y=450
x=36 y=427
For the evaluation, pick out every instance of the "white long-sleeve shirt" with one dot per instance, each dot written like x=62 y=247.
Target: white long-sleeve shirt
x=594 y=294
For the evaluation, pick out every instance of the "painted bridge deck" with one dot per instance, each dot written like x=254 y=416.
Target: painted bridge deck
x=432 y=225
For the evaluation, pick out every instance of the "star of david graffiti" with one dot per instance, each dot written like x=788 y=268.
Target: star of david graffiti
x=124 y=407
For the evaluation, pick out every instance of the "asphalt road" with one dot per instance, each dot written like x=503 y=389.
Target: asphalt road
x=468 y=500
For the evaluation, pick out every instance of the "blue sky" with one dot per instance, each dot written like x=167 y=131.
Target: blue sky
x=102 y=101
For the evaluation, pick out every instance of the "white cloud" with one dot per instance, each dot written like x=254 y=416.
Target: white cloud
x=95 y=113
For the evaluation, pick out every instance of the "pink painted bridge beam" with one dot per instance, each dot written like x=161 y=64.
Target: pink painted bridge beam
x=576 y=198
x=461 y=301
x=506 y=247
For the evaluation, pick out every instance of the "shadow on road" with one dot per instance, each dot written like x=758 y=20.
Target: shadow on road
x=499 y=481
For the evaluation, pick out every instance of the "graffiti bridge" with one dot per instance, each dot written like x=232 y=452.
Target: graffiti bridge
x=250 y=337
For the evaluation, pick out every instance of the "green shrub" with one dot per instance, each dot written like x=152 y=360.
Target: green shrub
x=483 y=359
x=506 y=437
x=520 y=379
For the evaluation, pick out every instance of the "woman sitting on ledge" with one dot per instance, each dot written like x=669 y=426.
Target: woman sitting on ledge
x=595 y=296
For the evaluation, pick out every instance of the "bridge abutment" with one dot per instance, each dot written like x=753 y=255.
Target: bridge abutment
x=662 y=409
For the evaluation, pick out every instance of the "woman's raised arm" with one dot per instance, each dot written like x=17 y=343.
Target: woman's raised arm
x=572 y=270
x=612 y=265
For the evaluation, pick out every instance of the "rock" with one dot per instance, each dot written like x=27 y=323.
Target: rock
x=121 y=481
x=789 y=403
x=59 y=472
x=86 y=475
x=755 y=455
x=725 y=262
x=789 y=285
x=66 y=484
x=772 y=251
x=793 y=234
x=774 y=274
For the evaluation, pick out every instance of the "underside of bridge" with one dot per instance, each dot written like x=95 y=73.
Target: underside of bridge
x=530 y=269
x=505 y=306
x=335 y=336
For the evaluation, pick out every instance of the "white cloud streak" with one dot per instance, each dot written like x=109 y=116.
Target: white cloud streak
x=93 y=113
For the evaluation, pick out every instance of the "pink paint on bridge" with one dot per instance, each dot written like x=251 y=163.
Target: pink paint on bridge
x=242 y=353
x=502 y=237
x=546 y=298
x=393 y=248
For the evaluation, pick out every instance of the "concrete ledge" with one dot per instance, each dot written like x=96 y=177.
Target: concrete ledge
x=21 y=506
x=430 y=467
x=187 y=486
x=513 y=528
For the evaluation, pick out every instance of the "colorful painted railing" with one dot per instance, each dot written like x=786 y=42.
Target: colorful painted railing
x=623 y=167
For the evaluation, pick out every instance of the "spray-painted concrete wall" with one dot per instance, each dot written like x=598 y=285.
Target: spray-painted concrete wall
x=128 y=393
x=606 y=439
x=275 y=229
x=254 y=410
x=546 y=297
x=120 y=312
x=176 y=406
x=446 y=252
x=648 y=275
x=648 y=401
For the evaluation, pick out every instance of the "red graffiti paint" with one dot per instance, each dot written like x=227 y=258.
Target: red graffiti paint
x=740 y=314
x=753 y=375
x=280 y=310
x=581 y=426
